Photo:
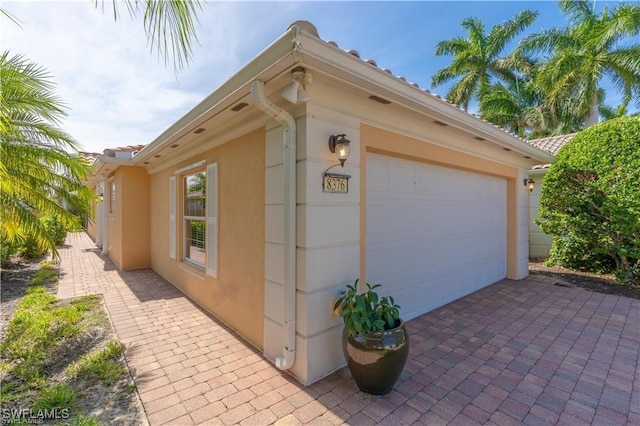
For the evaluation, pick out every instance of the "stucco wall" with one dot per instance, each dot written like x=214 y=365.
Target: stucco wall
x=237 y=296
x=134 y=211
x=539 y=242
x=128 y=232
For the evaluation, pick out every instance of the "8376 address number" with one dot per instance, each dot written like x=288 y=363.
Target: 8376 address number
x=333 y=183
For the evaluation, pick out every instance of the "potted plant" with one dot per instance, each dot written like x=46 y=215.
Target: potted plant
x=375 y=341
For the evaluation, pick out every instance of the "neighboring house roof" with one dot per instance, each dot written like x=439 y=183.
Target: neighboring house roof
x=128 y=151
x=110 y=159
x=552 y=144
x=89 y=156
x=120 y=152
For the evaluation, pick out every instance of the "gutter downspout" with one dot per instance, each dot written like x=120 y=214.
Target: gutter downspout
x=285 y=361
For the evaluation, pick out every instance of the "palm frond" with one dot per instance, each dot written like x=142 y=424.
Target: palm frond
x=170 y=26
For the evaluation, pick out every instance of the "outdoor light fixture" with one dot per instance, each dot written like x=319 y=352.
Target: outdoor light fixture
x=339 y=145
x=295 y=93
x=101 y=196
x=529 y=184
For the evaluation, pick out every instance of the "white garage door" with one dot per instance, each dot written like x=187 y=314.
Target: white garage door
x=434 y=234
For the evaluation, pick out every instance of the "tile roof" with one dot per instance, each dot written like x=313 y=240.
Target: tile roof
x=134 y=149
x=91 y=157
x=552 y=144
x=416 y=85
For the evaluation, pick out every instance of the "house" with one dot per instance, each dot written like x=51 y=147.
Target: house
x=539 y=242
x=243 y=206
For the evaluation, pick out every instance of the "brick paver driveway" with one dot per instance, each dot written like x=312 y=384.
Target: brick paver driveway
x=516 y=352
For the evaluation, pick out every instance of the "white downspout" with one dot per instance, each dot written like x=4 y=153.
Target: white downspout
x=285 y=361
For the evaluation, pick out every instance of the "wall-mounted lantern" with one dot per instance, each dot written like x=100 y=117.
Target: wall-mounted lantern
x=339 y=145
x=529 y=184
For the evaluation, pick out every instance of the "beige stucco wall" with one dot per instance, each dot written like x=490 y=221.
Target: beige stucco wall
x=129 y=231
x=134 y=210
x=237 y=296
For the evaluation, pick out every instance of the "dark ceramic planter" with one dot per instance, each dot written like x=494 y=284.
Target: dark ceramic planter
x=377 y=358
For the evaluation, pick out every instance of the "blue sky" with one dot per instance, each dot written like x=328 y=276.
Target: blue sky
x=119 y=93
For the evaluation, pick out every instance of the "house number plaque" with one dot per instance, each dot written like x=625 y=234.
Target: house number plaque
x=335 y=183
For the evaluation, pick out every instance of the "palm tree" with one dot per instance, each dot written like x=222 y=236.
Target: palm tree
x=514 y=105
x=37 y=175
x=518 y=105
x=169 y=25
x=476 y=59
x=580 y=55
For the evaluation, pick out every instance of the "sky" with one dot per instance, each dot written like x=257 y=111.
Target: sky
x=118 y=92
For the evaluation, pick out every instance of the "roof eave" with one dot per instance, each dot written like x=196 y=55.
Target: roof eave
x=341 y=64
x=98 y=172
x=275 y=55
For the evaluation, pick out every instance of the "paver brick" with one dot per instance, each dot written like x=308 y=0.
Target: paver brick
x=515 y=352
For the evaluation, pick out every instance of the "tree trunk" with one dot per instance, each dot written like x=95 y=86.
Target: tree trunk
x=594 y=116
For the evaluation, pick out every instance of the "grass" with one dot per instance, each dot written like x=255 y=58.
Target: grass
x=50 y=357
x=104 y=366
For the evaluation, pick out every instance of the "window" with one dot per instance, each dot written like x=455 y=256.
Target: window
x=199 y=199
x=194 y=218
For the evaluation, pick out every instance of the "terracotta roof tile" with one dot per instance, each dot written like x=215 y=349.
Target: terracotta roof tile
x=89 y=156
x=552 y=144
x=373 y=63
x=134 y=149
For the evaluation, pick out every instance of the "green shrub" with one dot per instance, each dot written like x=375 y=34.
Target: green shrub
x=31 y=249
x=590 y=200
x=7 y=250
x=55 y=229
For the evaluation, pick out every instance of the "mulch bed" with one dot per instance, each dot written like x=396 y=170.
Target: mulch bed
x=605 y=283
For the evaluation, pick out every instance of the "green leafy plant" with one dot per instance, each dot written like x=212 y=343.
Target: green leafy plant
x=590 y=200
x=366 y=312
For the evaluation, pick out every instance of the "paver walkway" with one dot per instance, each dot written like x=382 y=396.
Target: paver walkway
x=516 y=352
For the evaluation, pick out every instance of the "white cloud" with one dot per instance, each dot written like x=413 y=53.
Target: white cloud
x=117 y=90
x=118 y=93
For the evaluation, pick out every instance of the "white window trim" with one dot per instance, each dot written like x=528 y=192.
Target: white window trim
x=210 y=218
x=190 y=167
x=211 y=214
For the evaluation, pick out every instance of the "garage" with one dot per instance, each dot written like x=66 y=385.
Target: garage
x=433 y=233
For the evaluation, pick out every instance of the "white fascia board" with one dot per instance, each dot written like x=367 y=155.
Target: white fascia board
x=102 y=161
x=269 y=63
x=340 y=64
x=538 y=172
